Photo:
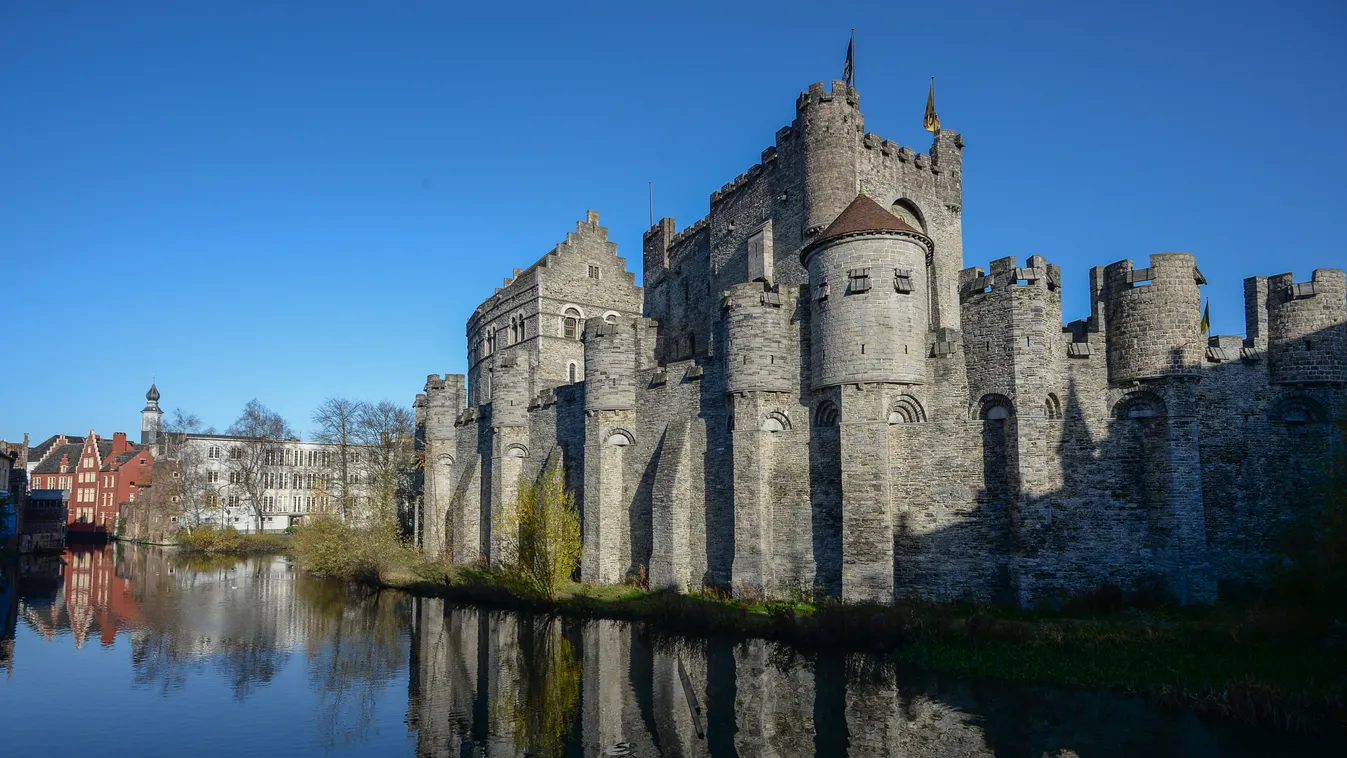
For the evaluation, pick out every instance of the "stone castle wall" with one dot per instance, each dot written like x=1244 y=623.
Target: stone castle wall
x=926 y=431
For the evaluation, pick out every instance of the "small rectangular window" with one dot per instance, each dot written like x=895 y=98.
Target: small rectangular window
x=860 y=279
x=902 y=280
x=593 y=272
x=822 y=292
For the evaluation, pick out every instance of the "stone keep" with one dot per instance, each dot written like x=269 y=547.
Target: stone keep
x=812 y=393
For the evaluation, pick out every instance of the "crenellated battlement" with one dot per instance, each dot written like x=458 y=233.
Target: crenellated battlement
x=739 y=182
x=1006 y=275
x=688 y=233
x=840 y=93
x=905 y=156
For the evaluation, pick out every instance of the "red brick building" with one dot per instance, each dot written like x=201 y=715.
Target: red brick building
x=99 y=474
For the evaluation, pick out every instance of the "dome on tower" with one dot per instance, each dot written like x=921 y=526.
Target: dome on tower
x=153 y=394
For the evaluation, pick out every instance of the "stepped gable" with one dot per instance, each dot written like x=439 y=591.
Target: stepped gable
x=865 y=215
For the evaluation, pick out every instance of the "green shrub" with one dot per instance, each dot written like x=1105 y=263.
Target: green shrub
x=327 y=546
x=539 y=535
x=229 y=541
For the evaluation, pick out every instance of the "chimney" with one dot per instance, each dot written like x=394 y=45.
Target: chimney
x=119 y=443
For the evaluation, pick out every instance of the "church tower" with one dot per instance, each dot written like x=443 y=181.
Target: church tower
x=151 y=418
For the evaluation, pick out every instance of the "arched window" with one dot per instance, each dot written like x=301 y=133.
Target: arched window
x=610 y=318
x=1139 y=405
x=620 y=438
x=571 y=370
x=570 y=324
x=995 y=408
x=1052 y=407
x=776 y=422
x=906 y=410
x=1297 y=410
x=826 y=414
x=516 y=451
x=907 y=211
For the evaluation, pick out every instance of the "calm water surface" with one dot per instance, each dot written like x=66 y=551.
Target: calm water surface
x=136 y=651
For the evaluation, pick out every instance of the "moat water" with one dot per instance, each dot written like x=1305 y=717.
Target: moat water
x=127 y=650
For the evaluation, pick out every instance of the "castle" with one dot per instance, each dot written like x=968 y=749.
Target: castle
x=812 y=393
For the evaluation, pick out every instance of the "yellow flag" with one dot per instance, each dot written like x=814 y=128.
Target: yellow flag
x=1206 y=317
x=932 y=122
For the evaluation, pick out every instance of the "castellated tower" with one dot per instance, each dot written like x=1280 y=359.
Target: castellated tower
x=832 y=126
x=1155 y=360
x=610 y=415
x=768 y=450
x=509 y=445
x=443 y=401
x=1014 y=354
x=1154 y=318
x=1306 y=341
x=868 y=336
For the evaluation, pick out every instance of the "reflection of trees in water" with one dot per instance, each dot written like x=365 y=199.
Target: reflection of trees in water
x=548 y=690
x=232 y=615
x=356 y=643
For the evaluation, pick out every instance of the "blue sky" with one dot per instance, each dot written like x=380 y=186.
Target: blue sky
x=297 y=200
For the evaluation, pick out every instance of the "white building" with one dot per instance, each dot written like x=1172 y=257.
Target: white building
x=296 y=477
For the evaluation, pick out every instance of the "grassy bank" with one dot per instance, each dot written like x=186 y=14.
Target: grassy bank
x=207 y=540
x=1255 y=666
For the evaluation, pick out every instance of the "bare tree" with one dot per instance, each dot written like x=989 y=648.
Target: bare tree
x=386 y=432
x=256 y=460
x=197 y=500
x=337 y=421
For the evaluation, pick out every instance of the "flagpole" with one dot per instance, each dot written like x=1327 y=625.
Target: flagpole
x=651 y=187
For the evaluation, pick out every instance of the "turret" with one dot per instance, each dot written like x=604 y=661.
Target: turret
x=1307 y=327
x=759 y=355
x=151 y=417
x=438 y=408
x=610 y=365
x=830 y=126
x=868 y=296
x=1154 y=318
x=1012 y=331
x=509 y=389
x=436 y=412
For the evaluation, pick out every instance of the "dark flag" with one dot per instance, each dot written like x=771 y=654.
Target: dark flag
x=849 y=69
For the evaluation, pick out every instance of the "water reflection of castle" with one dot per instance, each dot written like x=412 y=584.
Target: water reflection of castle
x=486 y=683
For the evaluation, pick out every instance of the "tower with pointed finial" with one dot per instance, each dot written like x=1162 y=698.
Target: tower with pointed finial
x=151 y=418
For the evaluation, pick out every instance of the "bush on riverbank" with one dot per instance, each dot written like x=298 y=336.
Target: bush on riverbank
x=328 y=546
x=539 y=536
x=230 y=541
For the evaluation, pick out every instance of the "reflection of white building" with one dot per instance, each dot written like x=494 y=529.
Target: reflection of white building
x=296 y=481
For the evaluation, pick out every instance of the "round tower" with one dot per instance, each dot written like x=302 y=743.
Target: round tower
x=610 y=366
x=1307 y=328
x=868 y=299
x=442 y=402
x=151 y=417
x=1154 y=318
x=830 y=125
x=759 y=355
x=509 y=391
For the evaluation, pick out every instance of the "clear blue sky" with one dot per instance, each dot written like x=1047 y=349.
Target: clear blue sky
x=296 y=200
